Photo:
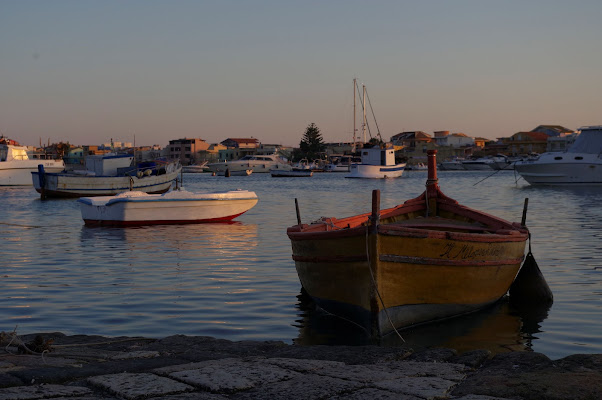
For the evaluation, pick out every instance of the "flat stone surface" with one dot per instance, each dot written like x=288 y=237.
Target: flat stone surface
x=422 y=387
x=303 y=366
x=300 y=388
x=135 y=354
x=138 y=386
x=231 y=375
x=187 y=367
x=374 y=394
x=42 y=392
x=191 y=396
x=533 y=376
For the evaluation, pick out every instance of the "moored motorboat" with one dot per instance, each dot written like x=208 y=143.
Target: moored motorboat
x=108 y=175
x=256 y=162
x=454 y=164
x=195 y=168
x=292 y=173
x=502 y=162
x=236 y=172
x=580 y=164
x=377 y=163
x=427 y=259
x=477 y=164
x=16 y=166
x=173 y=207
x=341 y=162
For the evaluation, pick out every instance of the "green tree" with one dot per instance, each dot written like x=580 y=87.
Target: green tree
x=312 y=143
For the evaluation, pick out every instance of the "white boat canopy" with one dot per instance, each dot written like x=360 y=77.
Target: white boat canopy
x=589 y=141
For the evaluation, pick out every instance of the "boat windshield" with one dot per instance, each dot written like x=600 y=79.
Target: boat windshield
x=589 y=141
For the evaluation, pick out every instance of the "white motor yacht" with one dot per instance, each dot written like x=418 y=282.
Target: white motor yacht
x=258 y=163
x=477 y=164
x=16 y=166
x=581 y=163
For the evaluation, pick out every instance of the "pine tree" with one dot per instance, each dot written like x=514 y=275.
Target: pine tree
x=312 y=143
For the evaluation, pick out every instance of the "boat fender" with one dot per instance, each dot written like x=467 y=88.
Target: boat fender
x=148 y=172
x=139 y=174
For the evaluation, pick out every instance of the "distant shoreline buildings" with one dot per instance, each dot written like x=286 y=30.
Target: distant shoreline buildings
x=410 y=146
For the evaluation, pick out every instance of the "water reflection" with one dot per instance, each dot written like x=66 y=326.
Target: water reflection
x=500 y=328
x=218 y=237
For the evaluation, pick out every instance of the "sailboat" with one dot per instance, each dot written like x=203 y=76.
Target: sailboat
x=377 y=162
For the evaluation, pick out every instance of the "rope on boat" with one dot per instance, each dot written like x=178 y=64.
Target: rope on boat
x=517 y=179
x=326 y=221
x=376 y=288
x=489 y=176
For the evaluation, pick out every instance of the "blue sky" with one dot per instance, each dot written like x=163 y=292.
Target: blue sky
x=86 y=71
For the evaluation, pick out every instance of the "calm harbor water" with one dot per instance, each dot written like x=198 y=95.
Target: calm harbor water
x=238 y=281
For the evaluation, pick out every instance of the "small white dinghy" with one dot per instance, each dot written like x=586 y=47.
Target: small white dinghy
x=174 y=207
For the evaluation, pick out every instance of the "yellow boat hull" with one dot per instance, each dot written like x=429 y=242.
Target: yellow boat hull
x=410 y=281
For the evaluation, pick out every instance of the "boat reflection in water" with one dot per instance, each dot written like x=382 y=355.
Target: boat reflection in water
x=500 y=328
x=198 y=241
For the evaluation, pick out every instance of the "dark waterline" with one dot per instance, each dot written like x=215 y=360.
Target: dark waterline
x=238 y=281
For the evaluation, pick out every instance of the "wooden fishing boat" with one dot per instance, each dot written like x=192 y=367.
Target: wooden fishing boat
x=427 y=259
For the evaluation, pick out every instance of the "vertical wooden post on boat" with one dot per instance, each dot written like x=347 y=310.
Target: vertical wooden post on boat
x=297 y=210
x=524 y=219
x=374 y=219
x=372 y=257
x=432 y=187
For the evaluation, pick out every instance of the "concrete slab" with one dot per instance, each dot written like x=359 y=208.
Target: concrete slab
x=304 y=387
x=135 y=354
x=42 y=392
x=426 y=388
x=374 y=394
x=138 y=386
x=231 y=375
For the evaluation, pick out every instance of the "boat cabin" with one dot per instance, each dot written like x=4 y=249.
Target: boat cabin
x=108 y=164
x=12 y=153
x=378 y=156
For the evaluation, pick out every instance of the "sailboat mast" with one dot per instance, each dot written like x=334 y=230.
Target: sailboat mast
x=354 y=85
x=364 y=107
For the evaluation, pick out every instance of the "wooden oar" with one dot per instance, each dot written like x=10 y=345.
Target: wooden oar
x=529 y=286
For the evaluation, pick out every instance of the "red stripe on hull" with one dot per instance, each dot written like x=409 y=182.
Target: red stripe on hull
x=160 y=222
x=439 y=261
